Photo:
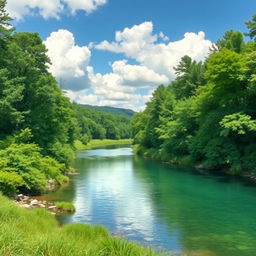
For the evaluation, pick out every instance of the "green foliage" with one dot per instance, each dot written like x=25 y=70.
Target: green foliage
x=5 y=27
x=224 y=70
x=251 y=25
x=94 y=124
x=63 y=153
x=178 y=130
x=27 y=166
x=154 y=110
x=39 y=125
x=190 y=75
x=210 y=115
x=25 y=136
x=9 y=182
x=238 y=123
x=30 y=98
x=232 y=40
x=11 y=95
x=85 y=139
x=65 y=206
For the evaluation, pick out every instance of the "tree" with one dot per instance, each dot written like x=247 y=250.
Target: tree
x=224 y=73
x=4 y=17
x=11 y=95
x=232 y=40
x=5 y=28
x=190 y=75
x=26 y=56
x=251 y=25
x=154 y=110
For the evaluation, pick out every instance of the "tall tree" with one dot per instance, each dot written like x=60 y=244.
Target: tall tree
x=232 y=40
x=5 y=28
x=251 y=25
x=190 y=75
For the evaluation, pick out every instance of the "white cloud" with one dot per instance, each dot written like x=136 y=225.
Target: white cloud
x=141 y=44
x=121 y=87
x=69 y=61
x=138 y=76
x=85 y=5
x=47 y=8
x=50 y=8
x=127 y=85
x=131 y=40
x=82 y=97
x=110 y=89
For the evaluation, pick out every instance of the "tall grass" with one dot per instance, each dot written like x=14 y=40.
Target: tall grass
x=36 y=233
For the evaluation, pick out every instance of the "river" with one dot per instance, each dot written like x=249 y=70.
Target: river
x=167 y=207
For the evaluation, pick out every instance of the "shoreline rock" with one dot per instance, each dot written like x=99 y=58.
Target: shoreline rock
x=33 y=203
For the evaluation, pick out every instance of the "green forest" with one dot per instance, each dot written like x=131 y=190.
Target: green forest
x=207 y=116
x=39 y=125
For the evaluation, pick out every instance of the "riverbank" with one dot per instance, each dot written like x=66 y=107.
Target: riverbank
x=100 y=143
x=52 y=207
x=187 y=162
x=37 y=232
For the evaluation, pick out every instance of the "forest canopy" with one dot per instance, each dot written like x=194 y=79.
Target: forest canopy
x=39 y=124
x=206 y=116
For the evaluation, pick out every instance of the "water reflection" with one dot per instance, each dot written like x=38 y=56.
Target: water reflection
x=163 y=206
x=109 y=193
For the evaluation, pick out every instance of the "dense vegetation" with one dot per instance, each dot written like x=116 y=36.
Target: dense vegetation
x=36 y=232
x=39 y=125
x=207 y=115
x=95 y=124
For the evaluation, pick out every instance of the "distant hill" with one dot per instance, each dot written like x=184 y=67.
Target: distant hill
x=113 y=110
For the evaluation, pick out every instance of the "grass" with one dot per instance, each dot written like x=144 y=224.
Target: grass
x=36 y=232
x=65 y=206
x=100 y=143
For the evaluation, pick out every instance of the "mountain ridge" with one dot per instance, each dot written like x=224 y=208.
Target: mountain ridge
x=112 y=110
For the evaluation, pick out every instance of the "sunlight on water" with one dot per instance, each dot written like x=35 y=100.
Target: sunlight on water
x=166 y=207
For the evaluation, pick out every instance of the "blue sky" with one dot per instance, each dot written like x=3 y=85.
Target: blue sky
x=97 y=66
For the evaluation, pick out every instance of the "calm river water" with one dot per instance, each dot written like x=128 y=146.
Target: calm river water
x=158 y=205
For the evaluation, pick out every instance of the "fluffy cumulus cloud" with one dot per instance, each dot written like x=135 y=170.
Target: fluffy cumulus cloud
x=154 y=51
x=137 y=75
x=123 y=86
x=69 y=61
x=111 y=89
x=50 y=8
x=127 y=85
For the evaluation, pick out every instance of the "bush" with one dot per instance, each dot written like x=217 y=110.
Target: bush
x=9 y=182
x=85 y=139
x=63 y=153
x=29 y=169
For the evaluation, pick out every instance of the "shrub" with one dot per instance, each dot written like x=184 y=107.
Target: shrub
x=9 y=182
x=26 y=161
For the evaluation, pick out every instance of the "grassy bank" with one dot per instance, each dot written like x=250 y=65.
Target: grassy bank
x=160 y=156
x=36 y=232
x=100 y=143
